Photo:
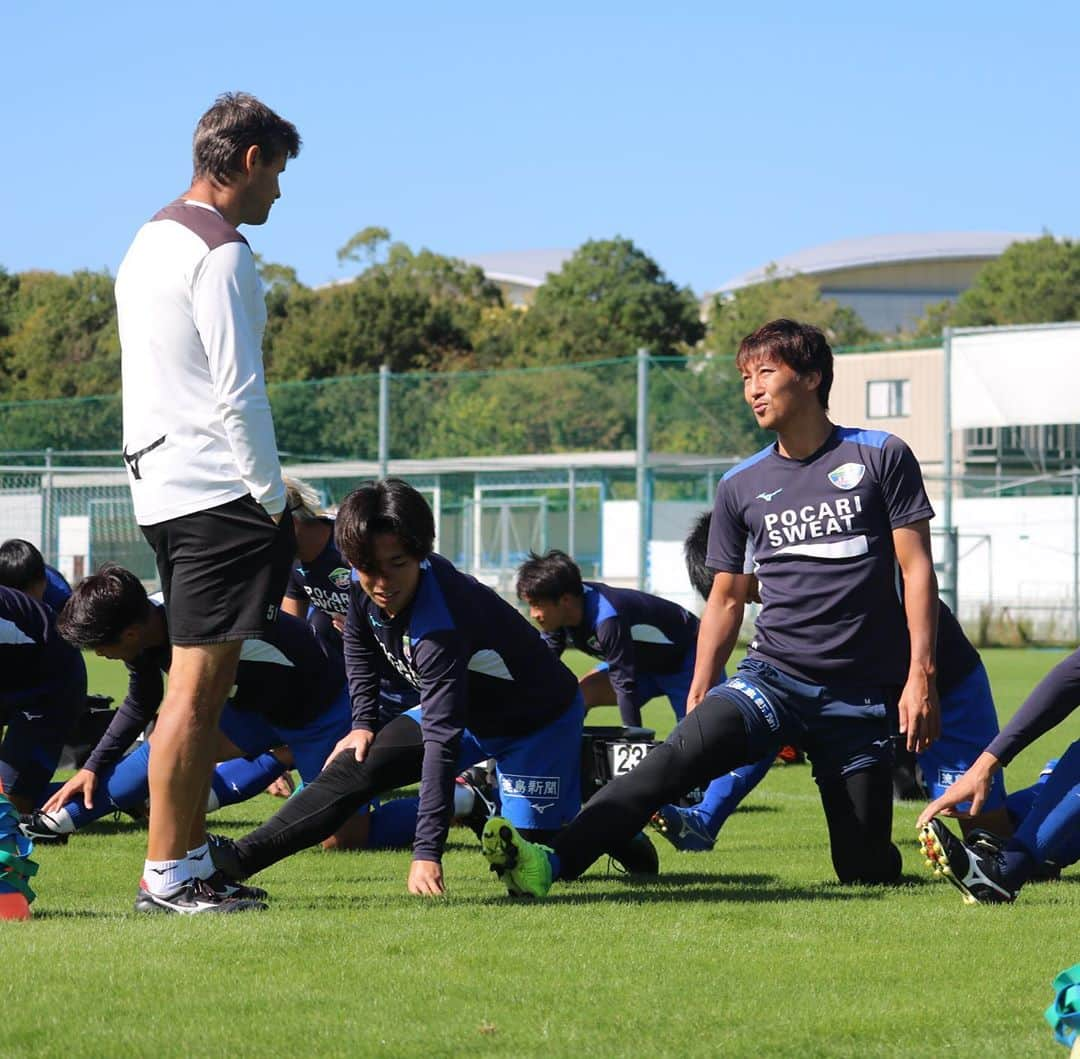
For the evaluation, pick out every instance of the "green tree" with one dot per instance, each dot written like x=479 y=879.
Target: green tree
x=609 y=300
x=732 y=317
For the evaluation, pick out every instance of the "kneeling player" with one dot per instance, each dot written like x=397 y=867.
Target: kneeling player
x=988 y=872
x=646 y=644
x=489 y=687
x=42 y=695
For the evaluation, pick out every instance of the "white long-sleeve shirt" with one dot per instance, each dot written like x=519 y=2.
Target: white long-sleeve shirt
x=191 y=311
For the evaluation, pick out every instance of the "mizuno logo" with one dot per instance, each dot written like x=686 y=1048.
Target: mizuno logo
x=768 y=496
x=33 y=716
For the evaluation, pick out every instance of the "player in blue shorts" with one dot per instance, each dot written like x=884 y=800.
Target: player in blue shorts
x=646 y=644
x=993 y=872
x=968 y=723
x=290 y=690
x=42 y=695
x=488 y=685
x=836 y=662
x=23 y=567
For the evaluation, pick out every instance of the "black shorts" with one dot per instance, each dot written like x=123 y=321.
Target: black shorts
x=223 y=571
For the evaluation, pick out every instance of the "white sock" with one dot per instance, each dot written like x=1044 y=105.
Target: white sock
x=199 y=862
x=464 y=799
x=60 y=822
x=164 y=876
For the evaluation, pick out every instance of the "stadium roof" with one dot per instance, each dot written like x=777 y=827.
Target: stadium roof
x=884 y=250
x=527 y=268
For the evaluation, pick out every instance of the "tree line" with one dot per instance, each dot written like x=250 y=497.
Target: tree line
x=426 y=315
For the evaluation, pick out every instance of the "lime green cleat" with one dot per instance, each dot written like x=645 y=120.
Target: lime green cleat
x=522 y=865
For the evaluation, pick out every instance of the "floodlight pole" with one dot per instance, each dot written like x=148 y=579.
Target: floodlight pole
x=948 y=590
x=642 y=464
x=384 y=419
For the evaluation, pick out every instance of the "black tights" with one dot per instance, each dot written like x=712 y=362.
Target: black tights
x=393 y=760
x=708 y=742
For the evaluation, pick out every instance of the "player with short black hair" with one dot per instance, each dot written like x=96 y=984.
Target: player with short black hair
x=645 y=644
x=488 y=685
x=827 y=512
x=23 y=567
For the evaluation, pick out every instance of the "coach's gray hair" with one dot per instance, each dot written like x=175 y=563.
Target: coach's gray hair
x=302 y=500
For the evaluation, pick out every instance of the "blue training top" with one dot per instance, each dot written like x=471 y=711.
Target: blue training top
x=634 y=632
x=477 y=664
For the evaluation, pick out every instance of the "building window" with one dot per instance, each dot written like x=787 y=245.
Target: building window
x=887 y=398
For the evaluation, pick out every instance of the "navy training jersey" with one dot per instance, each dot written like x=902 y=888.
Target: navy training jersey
x=820 y=530
x=477 y=663
x=634 y=632
x=33 y=655
x=57 y=589
x=323 y=582
x=289 y=676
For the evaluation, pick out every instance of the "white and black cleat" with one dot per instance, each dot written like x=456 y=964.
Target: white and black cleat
x=220 y=883
x=973 y=871
x=41 y=828
x=192 y=898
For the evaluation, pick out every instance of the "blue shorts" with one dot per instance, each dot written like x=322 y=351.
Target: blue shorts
x=539 y=774
x=38 y=724
x=968 y=725
x=843 y=731
x=310 y=745
x=674 y=686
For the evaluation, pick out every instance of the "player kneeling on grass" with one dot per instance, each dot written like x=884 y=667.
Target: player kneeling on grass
x=828 y=513
x=488 y=688
x=290 y=690
x=987 y=870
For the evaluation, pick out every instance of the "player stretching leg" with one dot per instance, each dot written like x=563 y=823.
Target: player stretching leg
x=1050 y=832
x=827 y=512
x=488 y=688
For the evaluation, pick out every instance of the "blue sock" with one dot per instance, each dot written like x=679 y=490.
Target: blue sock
x=1019 y=803
x=723 y=795
x=393 y=824
x=125 y=787
x=1051 y=830
x=239 y=779
x=556 y=865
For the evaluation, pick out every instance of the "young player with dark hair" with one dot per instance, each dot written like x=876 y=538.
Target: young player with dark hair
x=201 y=456
x=489 y=687
x=42 y=695
x=827 y=513
x=23 y=567
x=645 y=643
x=989 y=871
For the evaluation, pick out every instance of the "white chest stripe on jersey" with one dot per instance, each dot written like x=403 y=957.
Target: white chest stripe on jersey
x=648 y=634
x=848 y=549
x=11 y=633
x=489 y=663
x=261 y=651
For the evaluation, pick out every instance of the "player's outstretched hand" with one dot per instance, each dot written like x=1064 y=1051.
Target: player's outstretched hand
x=973 y=786
x=426 y=879
x=83 y=784
x=357 y=741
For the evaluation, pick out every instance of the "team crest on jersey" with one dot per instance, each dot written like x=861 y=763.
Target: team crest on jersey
x=847 y=475
x=406 y=648
x=340 y=577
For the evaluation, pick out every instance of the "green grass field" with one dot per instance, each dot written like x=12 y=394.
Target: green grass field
x=747 y=950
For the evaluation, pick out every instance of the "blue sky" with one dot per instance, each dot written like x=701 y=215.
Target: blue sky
x=716 y=136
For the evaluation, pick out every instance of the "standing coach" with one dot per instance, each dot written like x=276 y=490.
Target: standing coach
x=202 y=462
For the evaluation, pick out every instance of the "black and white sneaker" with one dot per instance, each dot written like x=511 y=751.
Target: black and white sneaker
x=193 y=898
x=41 y=828
x=974 y=870
x=220 y=883
x=485 y=798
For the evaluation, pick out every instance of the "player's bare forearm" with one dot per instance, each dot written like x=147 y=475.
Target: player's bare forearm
x=719 y=631
x=919 y=713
